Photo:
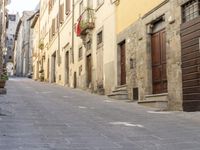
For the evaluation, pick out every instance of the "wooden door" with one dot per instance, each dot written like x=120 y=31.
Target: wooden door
x=48 y=69
x=158 y=50
x=75 y=80
x=123 y=63
x=67 y=67
x=54 y=67
x=89 y=69
x=190 y=45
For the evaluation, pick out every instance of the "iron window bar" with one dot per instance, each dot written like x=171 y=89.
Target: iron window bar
x=190 y=10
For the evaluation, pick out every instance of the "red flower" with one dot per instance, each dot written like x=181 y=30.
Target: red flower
x=78 y=27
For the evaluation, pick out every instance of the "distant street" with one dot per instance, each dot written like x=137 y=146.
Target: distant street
x=42 y=116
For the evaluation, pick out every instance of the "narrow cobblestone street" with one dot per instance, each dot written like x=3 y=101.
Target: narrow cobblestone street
x=41 y=116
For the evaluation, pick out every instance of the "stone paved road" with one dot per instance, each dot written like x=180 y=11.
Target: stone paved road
x=40 y=116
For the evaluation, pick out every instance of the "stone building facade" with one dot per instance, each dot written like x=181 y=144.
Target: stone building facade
x=35 y=44
x=22 y=45
x=154 y=57
x=83 y=42
x=78 y=60
x=3 y=26
x=10 y=41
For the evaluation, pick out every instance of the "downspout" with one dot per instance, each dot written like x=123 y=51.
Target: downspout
x=58 y=56
x=73 y=7
x=1 y=30
x=38 y=50
x=29 y=50
x=74 y=74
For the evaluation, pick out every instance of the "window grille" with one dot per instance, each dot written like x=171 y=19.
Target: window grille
x=190 y=10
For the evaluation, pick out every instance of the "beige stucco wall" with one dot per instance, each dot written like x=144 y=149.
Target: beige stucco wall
x=36 y=51
x=128 y=11
x=104 y=19
x=44 y=24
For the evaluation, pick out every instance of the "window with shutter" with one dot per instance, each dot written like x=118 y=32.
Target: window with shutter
x=67 y=6
x=90 y=3
x=56 y=24
x=80 y=53
x=99 y=38
x=49 y=34
x=53 y=26
x=61 y=15
x=50 y=5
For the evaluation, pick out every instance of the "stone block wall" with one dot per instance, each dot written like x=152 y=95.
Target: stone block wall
x=138 y=53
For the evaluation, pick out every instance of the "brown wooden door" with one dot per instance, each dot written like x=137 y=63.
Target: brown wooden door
x=190 y=45
x=159 y=75
x=89 y=69
x=48 y=69
x=54 y=67
x=75 y=80
x=123 y=63
x=67 y=67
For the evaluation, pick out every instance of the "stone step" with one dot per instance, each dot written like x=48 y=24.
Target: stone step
x=118 y=96
x=158 y=101
x=121 y=87
x=120 y=91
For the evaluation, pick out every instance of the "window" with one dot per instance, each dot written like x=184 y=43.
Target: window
x=72 y=55
x=90 y=3
x=80 y=53
x=80 y=70
x=50 y=5
x=53 y=27
x=12 y=17
x=190 y=10
x=56 y=23
x=99 y=2
x=81 y=8
x=100 y=38
x=67 y=7
x=89 y=45
x=61 y=14
x=50 y=33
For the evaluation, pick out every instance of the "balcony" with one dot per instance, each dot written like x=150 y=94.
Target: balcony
x=86 y=22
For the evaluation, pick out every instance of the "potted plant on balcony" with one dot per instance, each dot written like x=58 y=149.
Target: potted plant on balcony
x=84 y=25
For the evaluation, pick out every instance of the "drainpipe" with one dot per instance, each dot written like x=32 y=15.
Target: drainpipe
x=73 y=16
x=58 y=55
x=29 y=47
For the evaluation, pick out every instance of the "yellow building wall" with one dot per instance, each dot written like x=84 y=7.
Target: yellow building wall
x=128 y=11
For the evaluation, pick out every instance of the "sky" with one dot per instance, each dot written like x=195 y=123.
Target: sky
x=21 y=5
